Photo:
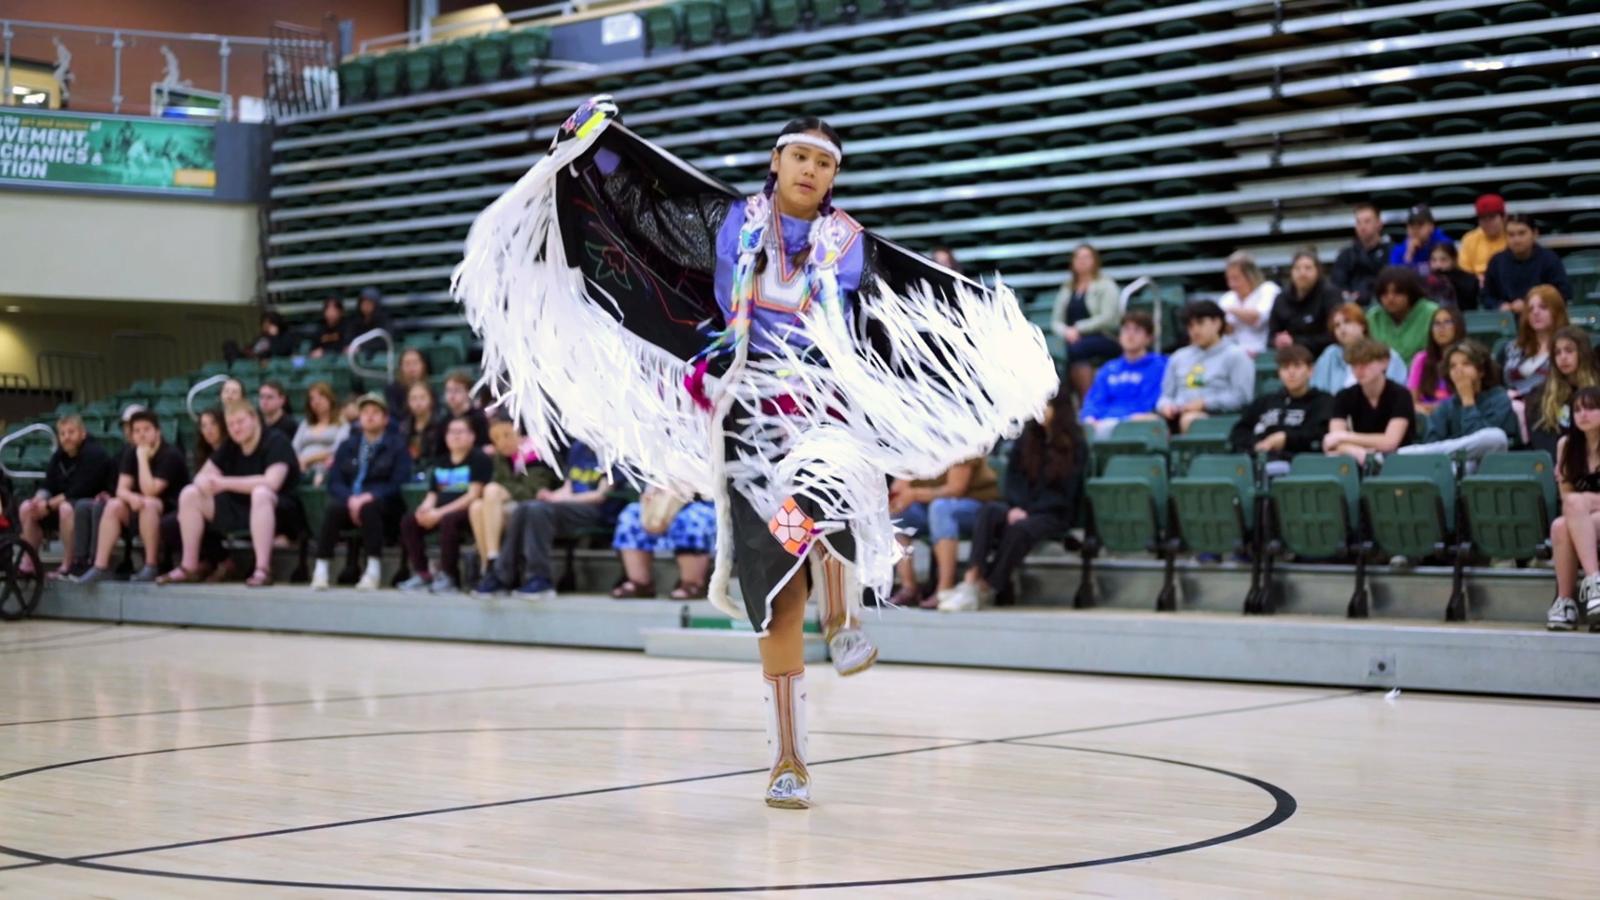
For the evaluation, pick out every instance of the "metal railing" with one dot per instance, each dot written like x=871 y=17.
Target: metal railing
x=428 y=33
x=82 y=372
x=17 y=435
x=67 y=47
x=200 y=387
x=376 y=334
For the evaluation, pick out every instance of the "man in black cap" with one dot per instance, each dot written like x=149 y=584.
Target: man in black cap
x=363 y=485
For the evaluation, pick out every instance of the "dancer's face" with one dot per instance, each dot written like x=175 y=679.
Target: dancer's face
x=805 y=176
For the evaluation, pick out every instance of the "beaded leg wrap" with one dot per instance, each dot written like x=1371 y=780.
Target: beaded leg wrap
x=848 y=646
x=789 y=785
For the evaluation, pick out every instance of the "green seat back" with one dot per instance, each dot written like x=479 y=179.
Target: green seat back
x=314 y=500
x=1316 y=505
x=489 y=56
x=1510 y=502
x=355 y=80
x=1215 y=503
x=527 y=48
x=827 y=12
x=1135 y=437
x=661 y=25
x=422 y=65
x=413 y=494
x=455 y=62
x=1411 y=504
x=1208 y=435
x=1490 y=325
x=387 y=70
x=1129 y=503
x=700 y=21
x=784 y=15
x=740 y=16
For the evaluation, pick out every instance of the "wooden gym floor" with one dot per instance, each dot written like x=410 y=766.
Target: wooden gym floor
x=158 y=762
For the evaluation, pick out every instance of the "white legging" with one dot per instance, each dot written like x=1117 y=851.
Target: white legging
x=1476 y=445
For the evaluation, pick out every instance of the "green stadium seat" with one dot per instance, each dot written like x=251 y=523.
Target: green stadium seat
x=1527 y=190
x=1509 y=504
x=1529 y=44
x=1205 y=436
x=1456 y=125
x=455 y=64
x=740 y=17
x=527 y=48
x=489 y=55
x=1411 y=505
x=826 y=12
x=1129 y=513
x=355 y=80
x=1316 y=514
x=1523 y=12
x=1141 y=437
x=783 y=15
x=422 y=67
x=1213 y=506
x=388 y=71
x=1459 y=19
x=701 y=21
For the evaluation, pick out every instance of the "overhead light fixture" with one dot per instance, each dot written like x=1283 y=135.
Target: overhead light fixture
x=13 y=309
x=19 y=89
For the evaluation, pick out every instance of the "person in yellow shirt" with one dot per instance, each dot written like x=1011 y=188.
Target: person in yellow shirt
x=1482 y=243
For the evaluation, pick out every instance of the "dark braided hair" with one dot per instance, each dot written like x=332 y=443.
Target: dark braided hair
x=801 y=125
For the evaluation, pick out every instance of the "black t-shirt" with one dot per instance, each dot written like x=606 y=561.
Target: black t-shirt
x=273 y=448
x=1393 y=403
x=449 y=480
x=286 y=426
x=78 y=477
x=167 y=464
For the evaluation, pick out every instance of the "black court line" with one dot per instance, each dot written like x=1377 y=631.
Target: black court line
x=165 y=631
x=1284 y=807
x=43 y=638
x=398 y=695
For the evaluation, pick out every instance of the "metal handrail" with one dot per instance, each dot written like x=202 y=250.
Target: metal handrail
x=376 y=334
x=199 y=388
x=20 y=432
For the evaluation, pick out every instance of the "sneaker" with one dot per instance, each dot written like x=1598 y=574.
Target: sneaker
x=415 y=583
x=537 y=586
x=442 y=584
x=1589 y=596
x=851 y=651
x=1563 y=615
x=145 y=575
x=961 y=598
x=369 y=582
x=95 y=575
x=489 y=585
x=319 y=579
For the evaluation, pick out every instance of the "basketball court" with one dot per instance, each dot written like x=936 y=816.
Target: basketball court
x=162 y=762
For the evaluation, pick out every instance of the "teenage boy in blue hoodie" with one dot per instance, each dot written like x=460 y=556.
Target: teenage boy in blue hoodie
x=1129 y=386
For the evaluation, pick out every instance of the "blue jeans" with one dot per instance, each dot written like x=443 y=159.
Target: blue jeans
x=914 y=519
x=951 y=517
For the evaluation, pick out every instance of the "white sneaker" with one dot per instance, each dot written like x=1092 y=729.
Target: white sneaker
x=961 y=598
x=1563 y=615
x=319 y=576
x=1589 y=596
x=852 y=651
x=370 y=581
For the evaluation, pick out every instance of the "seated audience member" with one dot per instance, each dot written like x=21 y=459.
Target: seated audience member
x=1085 y=316
x=274 y=340
x=364 y=480
x=579 y=503
x=689 y=533
x=423 y=429
x=1526 y=360
x=1300 y=314
x=1478 y=420
x=151 y=476
x=334 y=334
x=1289 y=421
x=1044 y=476
x=458 y=403
x=1422 y=235
x=519 y=476
x=247 y=485
x=1348 y=324
x=79 y=471
x=1209 y=376
x=1572 y=368
x=1447 y=284
x=320 y=433
x=1480 y=244
x=944 y=256
x=413 y=370
x=1129 y=386
x=370 y=313
x=942 y=510
x=1248 y=302
x=1357 y=265
x=213 y=433
x=457 y=478
x=1374 y=415
x=232 y=392
x=1402 y=316
x=273 y=402
x=1573 y=536
x=1429 y=385
x=1524 y=264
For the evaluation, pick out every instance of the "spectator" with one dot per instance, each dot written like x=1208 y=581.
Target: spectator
x=457 y=478
x=1403 y=316
x=1446 y=283
x=1422 y=235
x=274 y=340
x=1523 y=264
x=518 y=478
x=273 y=401
x=413 y=369
x=1478 y=420
x=1248 y=302
x=151 y=476
x=423 y=429
x=1207 y=377
x=364 y=480
x=458 y=403
x=942 y=510
x=1429 y=385
x=1573 y=536
x=944 y=256
x=247 y=485
x=1526 y=360
x=1357 y=266
x=232 y=392
x=1085 y=316
x=689 y=533
x=335 y=333
x=370 y=314
x=1044 y=476
x=213 y=434
x=1374 y=415
x=1572 y=368
x=1289 y=421
x=1348 y=325
x=1130 y=386
x=1300 y=314
x=321 y=432
x=1480 y=244
x=78 y=471
x=577 y=504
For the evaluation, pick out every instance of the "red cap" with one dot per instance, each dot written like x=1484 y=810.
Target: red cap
x=1491 y=205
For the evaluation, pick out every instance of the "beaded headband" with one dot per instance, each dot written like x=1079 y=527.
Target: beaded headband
x=811 y=140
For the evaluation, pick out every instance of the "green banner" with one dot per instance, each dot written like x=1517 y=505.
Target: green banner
x=41 y=147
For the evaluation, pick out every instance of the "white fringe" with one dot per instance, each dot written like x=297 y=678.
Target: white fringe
x=959 y=377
